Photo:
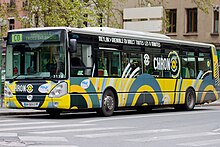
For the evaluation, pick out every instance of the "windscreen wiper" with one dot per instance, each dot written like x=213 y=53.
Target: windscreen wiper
x=51 y=78
x=13 y=79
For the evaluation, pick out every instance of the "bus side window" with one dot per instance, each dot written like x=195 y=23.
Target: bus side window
x=81 y=62
x=109 y=63
x=204 y=64
x=76 y=65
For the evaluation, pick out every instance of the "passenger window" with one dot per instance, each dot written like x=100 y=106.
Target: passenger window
x=109 y=62
x=189 y=65
x=204 y=64
x=81 y=61
x=131 y=64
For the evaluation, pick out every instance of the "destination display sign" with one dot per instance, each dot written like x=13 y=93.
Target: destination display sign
x=34 y=36
x=129 y=41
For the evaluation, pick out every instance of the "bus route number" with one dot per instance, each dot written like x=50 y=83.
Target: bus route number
x=16 y=37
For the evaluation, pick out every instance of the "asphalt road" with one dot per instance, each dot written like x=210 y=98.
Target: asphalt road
x=159 y=128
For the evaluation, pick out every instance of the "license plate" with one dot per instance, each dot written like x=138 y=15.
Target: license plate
x=30 y=104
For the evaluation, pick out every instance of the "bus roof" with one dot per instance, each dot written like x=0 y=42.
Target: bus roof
x=125 y=32
x=113 y=32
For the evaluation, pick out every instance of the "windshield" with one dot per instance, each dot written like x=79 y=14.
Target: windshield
x=36 y=55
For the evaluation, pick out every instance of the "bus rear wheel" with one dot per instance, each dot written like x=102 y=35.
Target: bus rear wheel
x=108 y=104
x=190 y=100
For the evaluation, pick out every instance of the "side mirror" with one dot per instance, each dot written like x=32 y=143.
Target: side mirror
x=73 y=46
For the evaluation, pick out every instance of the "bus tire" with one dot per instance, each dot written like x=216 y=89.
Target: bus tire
x=53 y=112
x=190 y=100
x=108 y=104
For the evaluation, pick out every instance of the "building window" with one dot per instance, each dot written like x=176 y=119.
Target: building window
x=11 y=4
x=25 y=4
x=191 y=20
x=215 y=21
x=11 y=23
x=171 y=15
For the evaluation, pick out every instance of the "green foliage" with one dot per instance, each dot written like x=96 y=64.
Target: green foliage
x=3 y=20
x=5 y=12
x=203 y=5
x=70 y=13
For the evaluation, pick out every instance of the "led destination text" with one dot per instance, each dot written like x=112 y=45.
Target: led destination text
x=129 y=41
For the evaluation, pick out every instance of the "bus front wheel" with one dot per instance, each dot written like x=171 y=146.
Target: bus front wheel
x=108 y=104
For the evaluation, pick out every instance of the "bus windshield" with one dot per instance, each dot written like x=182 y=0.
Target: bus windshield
x=38 y=54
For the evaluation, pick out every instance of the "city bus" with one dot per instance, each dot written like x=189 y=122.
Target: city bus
x=105 y=69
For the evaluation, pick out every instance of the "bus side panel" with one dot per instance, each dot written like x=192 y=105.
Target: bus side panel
x=215 y=67
x=144 y=90
x=204 y=90
x=150 y=91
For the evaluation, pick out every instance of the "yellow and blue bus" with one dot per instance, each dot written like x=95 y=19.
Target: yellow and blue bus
x=104 y=69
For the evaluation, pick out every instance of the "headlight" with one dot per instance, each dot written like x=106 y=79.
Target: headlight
x=59 y=90
x=7 y=92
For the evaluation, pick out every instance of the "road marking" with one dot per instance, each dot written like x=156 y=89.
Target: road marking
x=39 y=138
x=44 y=127
x=8 y=134
x=27 y=123
x=107 y=134
x=170 y=137
x=201 y=143
x=81 y=130
x=149 y=115
x=52 y=145
x=216 y=130
x=11 y=143
x=7 y=120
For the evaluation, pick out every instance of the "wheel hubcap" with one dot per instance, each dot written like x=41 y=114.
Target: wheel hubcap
x=190 y=100
x=109 y=103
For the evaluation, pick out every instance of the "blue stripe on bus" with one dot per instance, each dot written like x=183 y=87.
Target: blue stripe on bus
x=179 y=89
x=145 y=79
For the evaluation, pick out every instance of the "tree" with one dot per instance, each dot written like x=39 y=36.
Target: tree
x=3 y=24
x=203 y=5
x=6 y=10
x=71 y=13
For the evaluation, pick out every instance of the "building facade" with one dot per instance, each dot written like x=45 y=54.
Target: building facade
x=10 y=10
x=184 y=20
